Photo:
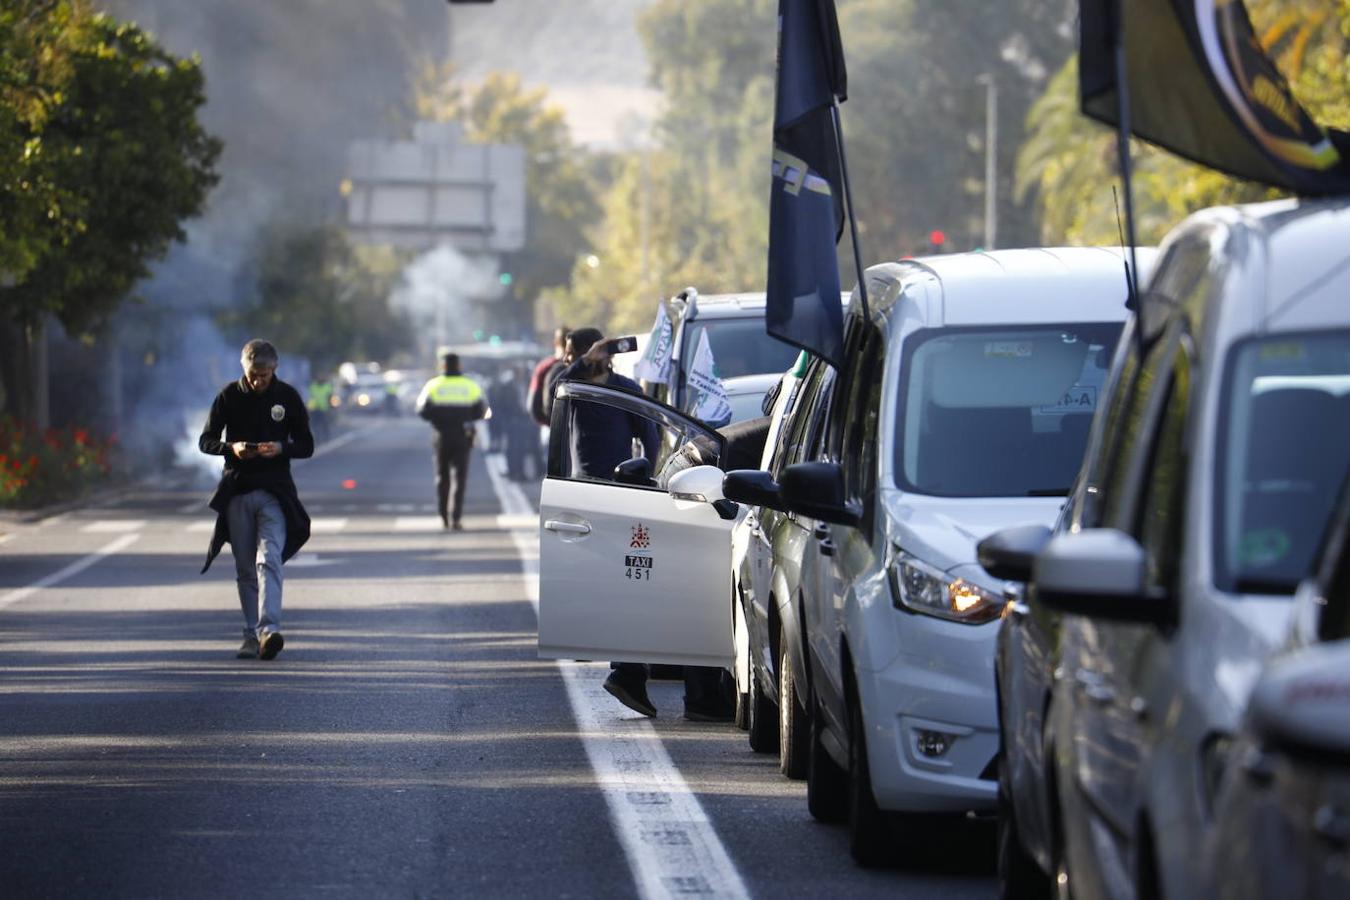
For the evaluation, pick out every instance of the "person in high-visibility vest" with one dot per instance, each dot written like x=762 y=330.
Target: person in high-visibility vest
x=319 y=402
x=452 y=403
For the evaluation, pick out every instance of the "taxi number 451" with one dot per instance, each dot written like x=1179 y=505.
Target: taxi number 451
x=638 y=568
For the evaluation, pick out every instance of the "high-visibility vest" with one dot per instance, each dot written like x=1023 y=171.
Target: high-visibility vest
x=320 y=395
x=451 y=390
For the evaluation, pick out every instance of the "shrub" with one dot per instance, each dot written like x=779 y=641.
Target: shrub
x=38 y=467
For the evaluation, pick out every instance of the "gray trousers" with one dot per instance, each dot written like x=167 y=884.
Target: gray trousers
x=257 y=536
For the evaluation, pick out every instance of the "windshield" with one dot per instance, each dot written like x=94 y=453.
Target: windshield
x=739 y=347
x=999 y=412
x=1282 y=457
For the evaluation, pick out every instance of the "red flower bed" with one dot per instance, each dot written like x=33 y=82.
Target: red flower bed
x=39 y=466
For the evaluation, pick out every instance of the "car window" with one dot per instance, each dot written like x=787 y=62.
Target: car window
x=793 y=443
x=1284 y=426
x=854 y=437
x=1162 y=511
x=1129 y=444
x=999 y=411
x=596 y=434
x=740 y=346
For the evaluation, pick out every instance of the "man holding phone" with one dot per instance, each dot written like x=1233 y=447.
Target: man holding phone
x=258 y=511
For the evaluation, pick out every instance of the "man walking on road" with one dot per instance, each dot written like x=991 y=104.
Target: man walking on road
x=258 y=511
x=452 y=403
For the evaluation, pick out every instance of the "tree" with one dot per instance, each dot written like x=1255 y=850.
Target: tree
x=328 y=299
x=1069 y=161
x=114 y=155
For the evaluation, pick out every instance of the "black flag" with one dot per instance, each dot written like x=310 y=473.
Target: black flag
x=806 y=210
x=1201 y=85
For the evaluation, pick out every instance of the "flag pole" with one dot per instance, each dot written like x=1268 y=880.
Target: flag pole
x=848 y=207
x=1135 y=300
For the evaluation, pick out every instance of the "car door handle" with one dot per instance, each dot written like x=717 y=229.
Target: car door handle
x=568 y=527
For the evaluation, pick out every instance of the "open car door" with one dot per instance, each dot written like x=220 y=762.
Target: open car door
x=626 y=572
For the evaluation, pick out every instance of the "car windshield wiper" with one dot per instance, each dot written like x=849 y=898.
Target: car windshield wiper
x=1048 y=492
x=1254 y=584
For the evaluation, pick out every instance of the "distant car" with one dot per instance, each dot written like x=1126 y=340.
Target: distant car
x=963 y=407
x=1282 y=810
x=1223 y=445
x=746 y=394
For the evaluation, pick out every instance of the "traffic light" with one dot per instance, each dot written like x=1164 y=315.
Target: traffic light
x=936 y=239
x=478 y=334
x=505 y=278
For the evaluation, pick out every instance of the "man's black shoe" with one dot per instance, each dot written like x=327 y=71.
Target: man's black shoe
x=457 y=525
x=248 y=649
x=445 y=521
x=709 y=712
x=630 y=694
x=270 y=645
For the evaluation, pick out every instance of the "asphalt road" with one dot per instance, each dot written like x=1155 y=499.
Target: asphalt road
x=406 y=743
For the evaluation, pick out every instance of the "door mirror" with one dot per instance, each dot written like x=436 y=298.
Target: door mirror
x=1099 y=573
x=636 y=471
x=1302 y=702
x=753 y=487
x=816 y=490
x=700 y=484
x=1010 y=553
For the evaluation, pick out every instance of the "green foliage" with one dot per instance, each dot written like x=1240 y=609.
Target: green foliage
x=112 y=151
x=38 y=467
x=693 y=209
x=318 y=297
x=1069 y=161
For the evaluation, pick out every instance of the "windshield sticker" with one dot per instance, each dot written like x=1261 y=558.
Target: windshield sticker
x=1081 y=398
x=1263 y=547
x=1008 y=350
x=1284 y=350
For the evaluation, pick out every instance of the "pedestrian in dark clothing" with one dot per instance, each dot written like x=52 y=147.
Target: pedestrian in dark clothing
x=264 y=425
x=452 y=403
x=539 y=398
x=599 y=438
x=511 y=426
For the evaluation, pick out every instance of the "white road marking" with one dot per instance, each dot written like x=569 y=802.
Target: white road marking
x=74 y=568
x=309 y=561
x=201 y=527
x=671 y=846
x=113 y=526
x=418 y=523
x=343 y=441
x=6 y=537
x=327 y=525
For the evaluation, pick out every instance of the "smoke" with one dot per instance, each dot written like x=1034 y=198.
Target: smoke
x=443 y=293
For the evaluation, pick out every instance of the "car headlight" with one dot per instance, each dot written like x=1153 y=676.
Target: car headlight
x=922 y=588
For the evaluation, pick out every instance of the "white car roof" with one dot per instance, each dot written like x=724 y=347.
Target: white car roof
x=1050 y=284
x=751 y=384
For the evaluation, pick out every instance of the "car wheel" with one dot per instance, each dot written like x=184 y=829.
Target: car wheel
x=794 y=728
x=763 y=731
x=868 y=830
x=1019 y=875
x=826 y=782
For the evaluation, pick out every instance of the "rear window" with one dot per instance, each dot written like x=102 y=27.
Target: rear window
x=739 y=347
x=999 y=412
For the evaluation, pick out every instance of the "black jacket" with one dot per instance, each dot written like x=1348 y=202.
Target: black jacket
x=277 y=414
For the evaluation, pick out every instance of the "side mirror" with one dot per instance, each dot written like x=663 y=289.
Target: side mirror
x=1302 y=702
x=816 y=490
x=753 y=487
x=1010 y=553
x=1098 y=573
x=636 y=471
x=699 y=484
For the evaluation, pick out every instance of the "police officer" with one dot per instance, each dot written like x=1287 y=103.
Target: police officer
x=451 y=403
x=319 y=402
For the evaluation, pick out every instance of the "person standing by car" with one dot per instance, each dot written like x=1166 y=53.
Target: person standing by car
x=452 y=402
x=545 y=373
x=258 y=511
x=600 y=439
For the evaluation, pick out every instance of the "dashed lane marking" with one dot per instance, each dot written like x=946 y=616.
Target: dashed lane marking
x=418 y=523
x=672 y=847
x=113 y=526
x=327 y=524
x=74 y=568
